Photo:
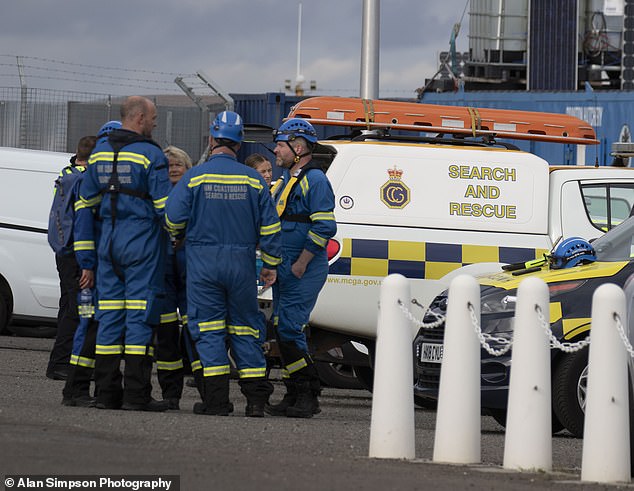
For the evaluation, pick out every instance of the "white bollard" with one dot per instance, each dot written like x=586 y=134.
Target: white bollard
x=606 y=430
x=457 y=437
x=392 y=425
x=528 y=439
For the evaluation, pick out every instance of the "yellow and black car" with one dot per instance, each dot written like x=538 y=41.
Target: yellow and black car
x=571 y=290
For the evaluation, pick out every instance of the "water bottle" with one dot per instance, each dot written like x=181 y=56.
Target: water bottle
x=86 y=308
x=258 y=266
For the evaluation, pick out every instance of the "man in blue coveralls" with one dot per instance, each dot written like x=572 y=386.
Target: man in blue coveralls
x=305 y=203
x=127 y=179
x=225 y=210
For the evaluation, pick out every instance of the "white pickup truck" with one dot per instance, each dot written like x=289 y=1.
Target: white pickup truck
x=430 y=207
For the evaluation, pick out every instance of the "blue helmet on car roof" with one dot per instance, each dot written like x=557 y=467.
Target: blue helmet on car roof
x=295 y=127
x=107 y=128
x=227 y=126
x=570 y=252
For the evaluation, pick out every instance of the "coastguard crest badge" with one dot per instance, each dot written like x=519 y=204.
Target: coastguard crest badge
x=394 y=193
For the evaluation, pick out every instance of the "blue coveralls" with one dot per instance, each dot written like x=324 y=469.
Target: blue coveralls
x=308 y=222
x=131 y=252
x=86 y=233
x=225 y=209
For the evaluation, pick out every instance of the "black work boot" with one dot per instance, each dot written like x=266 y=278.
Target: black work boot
x=288 y=400
x=257 y=392
x=108 y=381
x=216 y=397
x=306 y=402
x=137 y=391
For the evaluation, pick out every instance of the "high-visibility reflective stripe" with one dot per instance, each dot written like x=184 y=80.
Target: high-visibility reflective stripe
x=89 y=203
x=111 y=304
x=296 y=365
x=271 y=229
x=184 y=319
x=111 y=349
x=243 y=331
x=285 y=373
x=196 y=365
x=84 y=245
x=82 y=361
x=252 y=372
x=169 y=365
x=320 y=241
x=79 y=205
x=108 y=157
x=135 y=304
x=174 y=226
x=135 y=349
x=86 y=310
x=214 y=371
x=218 y=325
x=322 y=215
x=224 y=179
x=160 y=203
x=268 y=259
x=169 y=318
x=304 y=185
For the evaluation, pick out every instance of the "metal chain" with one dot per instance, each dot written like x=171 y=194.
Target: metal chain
x=622 y=333
x=554 y=342
x=419 y=323
x=485 y=338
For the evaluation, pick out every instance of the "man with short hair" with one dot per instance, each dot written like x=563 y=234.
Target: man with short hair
x=127 y=179
x=61 y=238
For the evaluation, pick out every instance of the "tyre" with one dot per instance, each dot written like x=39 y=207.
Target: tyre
x=337 y=375
x=365 y=376
x=570 y=381
x=425 y=403
x=499 y=415
x=4 y=315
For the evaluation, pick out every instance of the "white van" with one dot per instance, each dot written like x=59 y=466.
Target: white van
x=430 y=207
x=29 y=283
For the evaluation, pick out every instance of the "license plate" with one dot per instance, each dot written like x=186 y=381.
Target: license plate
x=431 y=352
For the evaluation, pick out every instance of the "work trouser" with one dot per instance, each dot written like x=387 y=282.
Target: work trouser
x=82 y=359
x=130 y=284
x=169 y=362
x=293 y=301
x=67 y=317
x=222 y=303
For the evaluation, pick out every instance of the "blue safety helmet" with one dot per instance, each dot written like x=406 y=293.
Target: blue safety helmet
x=107 y=128
x=295 y=127
x=227 y=126
x=570 y=252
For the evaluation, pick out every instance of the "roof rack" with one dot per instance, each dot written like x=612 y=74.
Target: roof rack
x=411 y=116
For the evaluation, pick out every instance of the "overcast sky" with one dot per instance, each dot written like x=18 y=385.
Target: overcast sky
x=245 y=46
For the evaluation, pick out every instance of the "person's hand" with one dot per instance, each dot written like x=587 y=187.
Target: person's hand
x=268 y=276
x=87 y=279
x=298 y=268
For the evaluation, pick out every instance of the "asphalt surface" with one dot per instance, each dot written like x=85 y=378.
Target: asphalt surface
x=39 y=436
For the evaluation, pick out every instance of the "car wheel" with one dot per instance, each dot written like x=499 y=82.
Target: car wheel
x=337 y=375
x=570 y=383
x=499 y=415
x=365 y=376
x=425 y=403
x=5 y=316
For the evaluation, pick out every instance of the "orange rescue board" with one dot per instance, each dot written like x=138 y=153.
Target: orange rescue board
x=411 y=116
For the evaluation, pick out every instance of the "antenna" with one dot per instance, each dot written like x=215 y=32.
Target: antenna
x=299 y=78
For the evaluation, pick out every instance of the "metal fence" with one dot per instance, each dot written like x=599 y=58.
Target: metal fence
x=54 y=120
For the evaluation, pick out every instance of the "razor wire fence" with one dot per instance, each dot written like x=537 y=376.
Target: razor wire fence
x=55 y=120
